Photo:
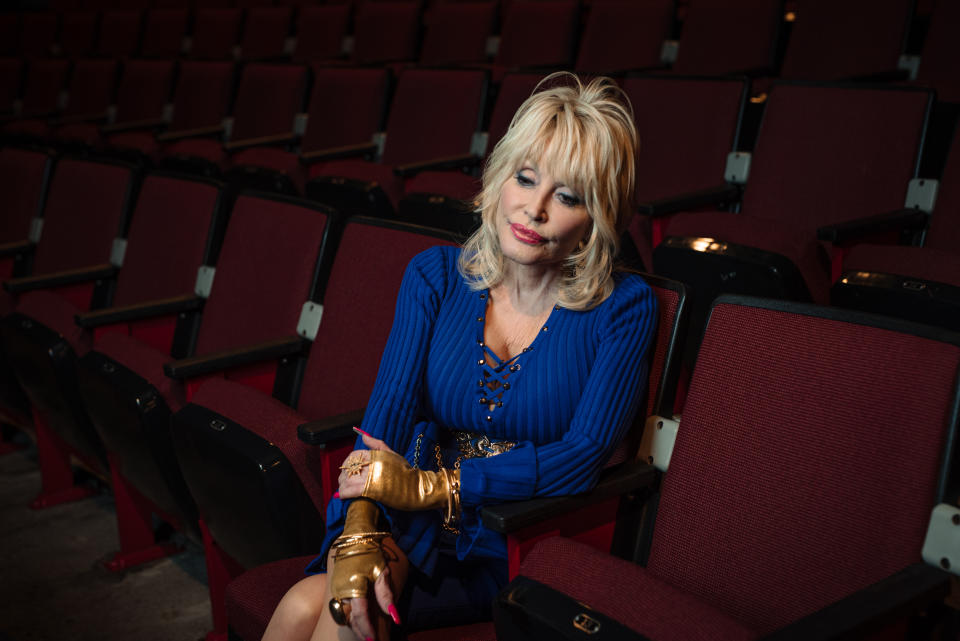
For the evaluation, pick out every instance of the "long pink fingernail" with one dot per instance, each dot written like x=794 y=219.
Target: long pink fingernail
x=359 y=431
x=336 y=494
x=394 y=614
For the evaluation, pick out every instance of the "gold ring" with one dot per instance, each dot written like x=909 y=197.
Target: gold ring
x=340 y=611
x=354 y=467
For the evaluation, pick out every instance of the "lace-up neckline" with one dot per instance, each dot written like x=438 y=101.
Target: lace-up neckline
x=492 y=383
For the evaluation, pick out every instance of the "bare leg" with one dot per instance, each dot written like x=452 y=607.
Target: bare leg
x=303 y=614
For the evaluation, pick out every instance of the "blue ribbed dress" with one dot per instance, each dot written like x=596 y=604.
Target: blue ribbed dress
x=567 y=400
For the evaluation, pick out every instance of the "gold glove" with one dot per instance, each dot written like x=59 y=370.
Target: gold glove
x=391 y=481
x=358 y=558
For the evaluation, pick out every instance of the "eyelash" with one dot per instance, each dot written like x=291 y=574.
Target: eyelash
x=567 y=199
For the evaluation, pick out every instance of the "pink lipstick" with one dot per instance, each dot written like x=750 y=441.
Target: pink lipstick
x=526 y=235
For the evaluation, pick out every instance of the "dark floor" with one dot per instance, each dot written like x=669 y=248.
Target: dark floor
x=52 y=585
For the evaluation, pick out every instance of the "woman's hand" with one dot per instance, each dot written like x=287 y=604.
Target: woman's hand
x=356 y=468
x=384 y=476
x=359 y=561
x=361 y=618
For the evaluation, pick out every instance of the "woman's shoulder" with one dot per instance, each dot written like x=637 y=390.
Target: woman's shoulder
x=436 y=264
x=630 y=291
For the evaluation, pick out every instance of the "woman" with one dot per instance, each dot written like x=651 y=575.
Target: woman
x=512 y=370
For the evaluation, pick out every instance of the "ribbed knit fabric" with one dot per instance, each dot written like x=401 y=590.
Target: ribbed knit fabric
x=567 y=405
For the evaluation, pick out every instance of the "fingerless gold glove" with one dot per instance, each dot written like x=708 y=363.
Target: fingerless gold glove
x=391 y=481
x=358 y=558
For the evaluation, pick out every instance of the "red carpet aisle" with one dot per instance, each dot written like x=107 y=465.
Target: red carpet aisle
x=52 y=585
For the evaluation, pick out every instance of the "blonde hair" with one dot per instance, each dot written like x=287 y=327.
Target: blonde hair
x=585 y=136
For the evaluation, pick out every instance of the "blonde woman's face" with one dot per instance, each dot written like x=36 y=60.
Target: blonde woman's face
x=540 y=220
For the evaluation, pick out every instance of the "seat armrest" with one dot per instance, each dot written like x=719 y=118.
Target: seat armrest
x=226 y=359
x=718 y=195
x=69 y=120
x=332 y=428
x=262 y=141
x=614 y=481
x=851 y=230
x=890 y=75
x=335 y=153
x=147 y=309
x=438 y=164
x=879 y=604
x=199 y=132
x=117 y=127
x=12 y=117
x=59 y=279
x=14 y=248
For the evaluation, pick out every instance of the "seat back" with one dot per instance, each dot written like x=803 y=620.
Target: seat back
x=265 y=32
x=215 y=33
x=808 y=459
x=358 y=307
x=664 y=371
x=386 y=32
x=265 y=272
x=551 y=44
x=88 y=205
x=832 y=40
x=92 y=86
x=825 y=154
x=940 y=49
x=24 y=176
x=38 y=33
x=120 y=32
x=78 y=32
x=268 y=98
x=457 y=32
x=9 y=33
x=203 y=94
x=168 y=238
x=728 y=37
x=684 y=147
x=11 y=82
x=320 y=31
x=144 y=89
x=944 y=232
x=164 y=32
x=624 y=34
x=434 y=114
x=514 y=89
x=354 y=99
x=44 y=82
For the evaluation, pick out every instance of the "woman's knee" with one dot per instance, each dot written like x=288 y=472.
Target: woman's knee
x=303 y=604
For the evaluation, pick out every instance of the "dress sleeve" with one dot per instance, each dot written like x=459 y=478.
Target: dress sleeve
x=395 y=403
x=603 y=414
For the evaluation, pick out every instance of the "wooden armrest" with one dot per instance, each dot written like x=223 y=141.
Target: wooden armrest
x=147 y=309
x=438 y=164
x=693 y=200
x=209 y=363
x=59 y=279
x=118 y=127
x=279 y=139
x=871 y=608
x=69 y=120
x=850 y=230
x=199 y=132
x=614 y=481
x=333 y=428
x=334 y=153
x=14 y=248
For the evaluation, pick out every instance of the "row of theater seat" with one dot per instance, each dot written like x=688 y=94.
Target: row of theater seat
x=691 y=159
x=181 y=387
x=822 y=40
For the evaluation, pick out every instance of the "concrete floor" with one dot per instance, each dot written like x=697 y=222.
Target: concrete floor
x=52 y=585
